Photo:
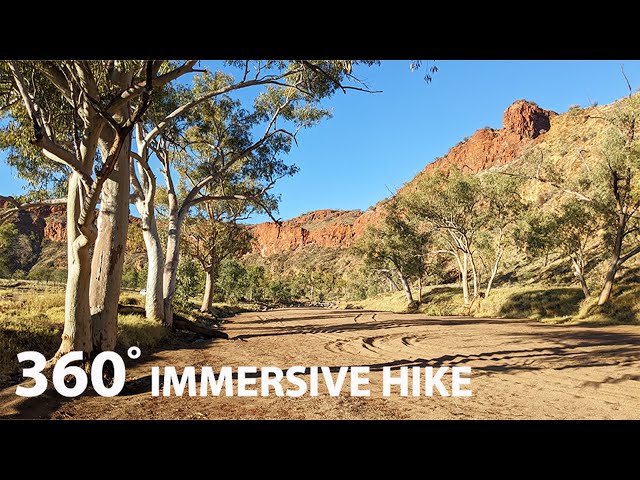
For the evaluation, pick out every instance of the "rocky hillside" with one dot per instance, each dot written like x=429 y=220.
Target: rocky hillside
x=523 y=123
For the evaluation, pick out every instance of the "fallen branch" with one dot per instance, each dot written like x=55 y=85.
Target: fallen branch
x=181 y=323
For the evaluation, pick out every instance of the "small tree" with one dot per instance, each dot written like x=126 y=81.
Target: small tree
x=450 y=203
x=503 y=207
x=396 y=246
x=575 y=230
x=233 y=282
x=614 y=188
x=211 y=237
x=570 y=232
x=610 y=184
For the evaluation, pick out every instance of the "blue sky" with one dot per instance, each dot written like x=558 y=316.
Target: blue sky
x=376 y=142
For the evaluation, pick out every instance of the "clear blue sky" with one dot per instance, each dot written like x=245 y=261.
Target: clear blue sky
x=377 y=142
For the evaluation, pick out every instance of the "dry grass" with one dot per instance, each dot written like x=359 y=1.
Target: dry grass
x=138 y=331
x=625 y=308
x=32 y=318
x=549 y=304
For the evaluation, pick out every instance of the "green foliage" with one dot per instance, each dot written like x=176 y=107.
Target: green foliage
x=574 y=226
x=18 y=251
x=133 y=277
x=396 y=245
x=613 y=181
x=279 y=292
x=447 y=201
x=234 y=283
x=565 y=231
x=189 y=282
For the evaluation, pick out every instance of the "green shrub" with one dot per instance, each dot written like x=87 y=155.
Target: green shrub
x=189 y=282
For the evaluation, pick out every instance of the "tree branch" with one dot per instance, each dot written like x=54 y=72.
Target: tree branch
x=633 y=252
x=137 y=89
x=50 y=149
x=626 y=80
x=7 y=213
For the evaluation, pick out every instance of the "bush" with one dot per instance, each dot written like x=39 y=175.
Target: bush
x=232 y=283
x=189 y=282
x=279 y=292
x=623 y=307
x=133 y=278
x=19 y=275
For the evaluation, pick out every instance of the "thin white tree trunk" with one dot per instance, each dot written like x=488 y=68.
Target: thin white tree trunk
x=76 y=335
x=464 y=276
x=406 y=287
x=474 y=272
x=171 y=267
x=207 y=298
x=578 y=271
x=494 y=271
x=154 y=302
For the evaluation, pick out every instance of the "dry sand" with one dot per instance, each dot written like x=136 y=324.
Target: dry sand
x=521 y=369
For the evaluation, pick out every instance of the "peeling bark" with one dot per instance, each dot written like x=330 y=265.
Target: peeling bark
x=108 y=256
x=76 y=335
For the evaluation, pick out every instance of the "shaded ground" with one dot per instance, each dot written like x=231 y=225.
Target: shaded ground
x=520 y=369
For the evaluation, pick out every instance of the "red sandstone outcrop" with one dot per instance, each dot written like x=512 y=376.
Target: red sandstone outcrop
x=47 y=222
x=522 y=122
x=324 y=228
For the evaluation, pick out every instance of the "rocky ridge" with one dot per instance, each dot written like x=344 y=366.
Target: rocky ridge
x=522 y=123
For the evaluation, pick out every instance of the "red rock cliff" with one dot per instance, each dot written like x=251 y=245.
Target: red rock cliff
x=324 y=228
x=522 y=123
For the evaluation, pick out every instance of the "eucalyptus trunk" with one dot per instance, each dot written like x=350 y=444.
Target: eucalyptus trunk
x=406 y=287
x=76 y=335
x=463 y=266
x=108 y=255
x=494 y=271
x=171 y=266
x=154 y=302
x=578 y=272
x=211 y=275
x=614 y=262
